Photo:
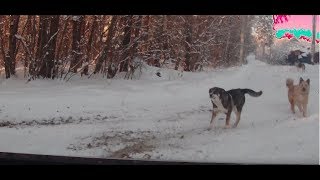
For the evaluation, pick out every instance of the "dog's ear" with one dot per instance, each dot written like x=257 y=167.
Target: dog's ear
x=301 y=80
x=308 y=81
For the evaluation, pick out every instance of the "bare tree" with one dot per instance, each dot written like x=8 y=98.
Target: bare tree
x=89 y=45
x=41 y=54
x=51 y=61
x=56 y=45
x=124 y=62
x=188 y=42
x=107 y=47
x=10 y=61
x=78 y=22
x=263 y=28
x=2 y=47
x=244 y=22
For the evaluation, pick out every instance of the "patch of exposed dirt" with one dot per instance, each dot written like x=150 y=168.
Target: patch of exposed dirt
x=54 y=121
x=119 y=144
x=137 y=148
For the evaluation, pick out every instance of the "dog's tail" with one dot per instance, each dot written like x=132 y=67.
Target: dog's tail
x=251 y=92
x=289 y=83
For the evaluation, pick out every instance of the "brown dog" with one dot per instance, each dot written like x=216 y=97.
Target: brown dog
x=298 y=95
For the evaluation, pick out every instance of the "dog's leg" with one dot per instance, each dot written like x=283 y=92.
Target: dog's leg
x=228 y=120
x=300 y=107
x=292 y=106
x=304 y=109
x=238 y=115
x=214 y=114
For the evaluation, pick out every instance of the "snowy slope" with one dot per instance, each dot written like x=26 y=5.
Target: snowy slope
x=162 y=118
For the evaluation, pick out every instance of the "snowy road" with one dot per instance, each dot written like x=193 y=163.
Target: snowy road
x=157 y=118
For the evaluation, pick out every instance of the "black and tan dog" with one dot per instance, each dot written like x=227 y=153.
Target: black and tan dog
x=228 y=101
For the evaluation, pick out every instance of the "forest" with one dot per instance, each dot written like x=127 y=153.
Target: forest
x=60 y=46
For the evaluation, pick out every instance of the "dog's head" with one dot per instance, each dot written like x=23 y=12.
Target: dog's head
x=215 y=92
x=304 y=85
x=289 y=82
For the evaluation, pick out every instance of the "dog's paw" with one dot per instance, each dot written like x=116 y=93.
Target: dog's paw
x=227 y=127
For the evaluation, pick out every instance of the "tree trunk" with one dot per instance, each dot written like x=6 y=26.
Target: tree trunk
x=28 y=41
x=165 y=47
x=106 y=48
x=176 y=67
x=10 y=61
x=41 y=46
x=188 y=42
x=67 y=43
x=78 y=22
x=134 y=49
x=34 y=35
x=63 y=34
x=263 y=50
x=21 y=34
x=49 y=46
x=89 y=45
x=42 y=37
x=225 y=54
x=125 y=44
x=242 y=37
x=2 y=38
x=32 y=46
x=50 y=61
x=145 y=38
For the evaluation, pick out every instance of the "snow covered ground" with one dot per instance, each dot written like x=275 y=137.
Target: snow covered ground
x=163 y=118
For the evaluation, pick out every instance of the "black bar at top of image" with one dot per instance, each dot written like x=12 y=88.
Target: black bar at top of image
x=157 y=7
